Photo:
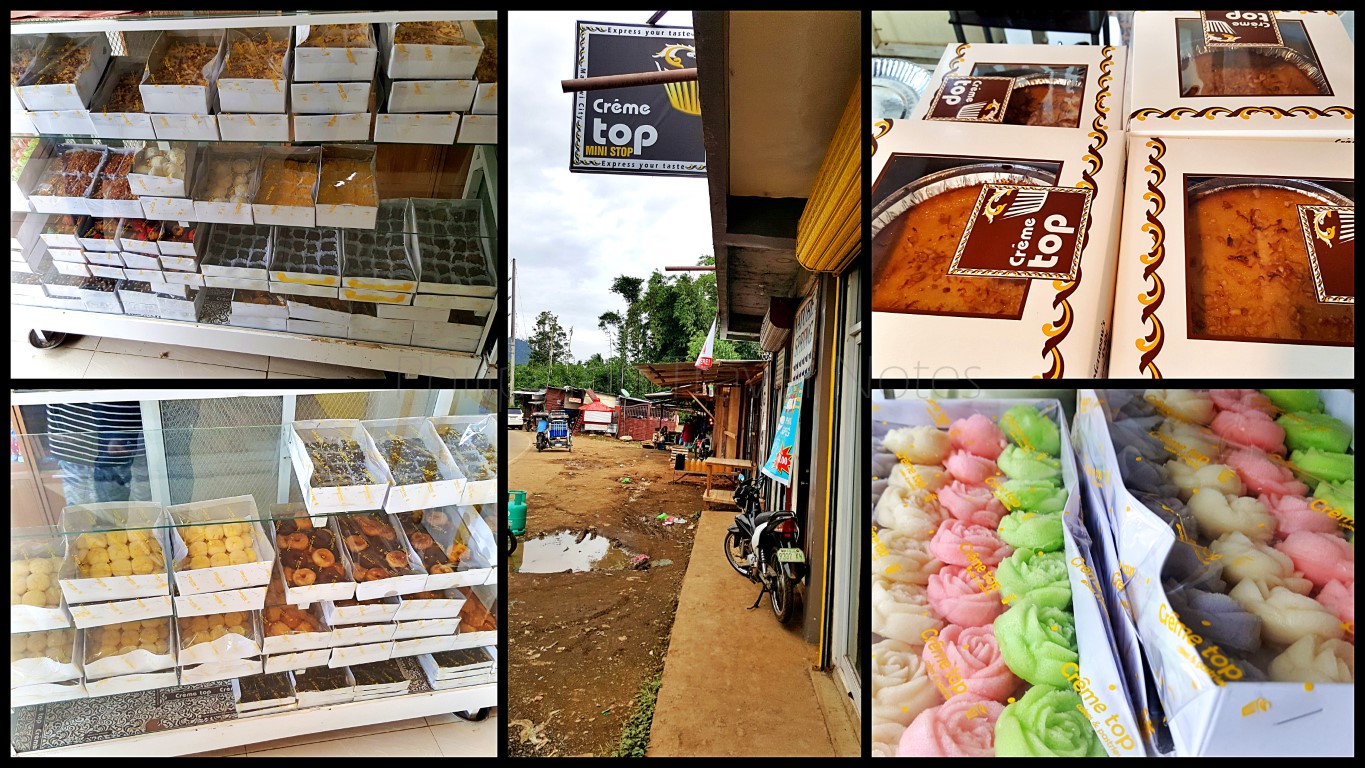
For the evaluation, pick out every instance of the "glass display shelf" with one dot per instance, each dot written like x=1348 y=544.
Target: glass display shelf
x=160 y=20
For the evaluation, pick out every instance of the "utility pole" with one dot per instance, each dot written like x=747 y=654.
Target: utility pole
x=512 y=324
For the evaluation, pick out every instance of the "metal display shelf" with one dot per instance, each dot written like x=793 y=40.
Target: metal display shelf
x=225 y=21
x=250 y=730
x=413 y=361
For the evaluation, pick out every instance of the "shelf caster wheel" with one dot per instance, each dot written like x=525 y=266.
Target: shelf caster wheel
x=45 y=339
x=473 y=715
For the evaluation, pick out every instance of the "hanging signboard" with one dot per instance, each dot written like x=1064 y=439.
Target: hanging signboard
x=650 y=130
x=803 y=339
x=779 y=464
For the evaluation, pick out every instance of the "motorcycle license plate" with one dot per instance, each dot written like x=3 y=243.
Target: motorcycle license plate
x=790 y=555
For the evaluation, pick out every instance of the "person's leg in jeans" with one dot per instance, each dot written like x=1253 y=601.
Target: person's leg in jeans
x=125 y=482
x=78 y=483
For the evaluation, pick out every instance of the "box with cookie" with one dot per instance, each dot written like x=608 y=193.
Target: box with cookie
x=322 y=686
x=129 y=656
x=35 y=599
x=338 y=466
x=378 y=556
x=115 y=564
x=218 y=637
x=424 y=474
x=48 y=656
x=456 y=546
x=473 y=444
x=263 y=694
x=372 y=611
x=310 y=562
x=478 y=617
x=221 y=554
x=376 y=680
x=289 y=628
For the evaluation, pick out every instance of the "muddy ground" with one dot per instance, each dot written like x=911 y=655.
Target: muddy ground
x=580 y=645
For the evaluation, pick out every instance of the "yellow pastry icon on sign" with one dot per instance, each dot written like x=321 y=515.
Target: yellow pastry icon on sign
x=683 y=96
x=1255 y=705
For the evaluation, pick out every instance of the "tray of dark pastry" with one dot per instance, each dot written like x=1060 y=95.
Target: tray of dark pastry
x=265 y=687
x=376 y=548
x=409 y=461
x=387 y=672
x=308 y=554
x=461 y=657
x=374 y=256
x=243 y=246
x=306 y=250
x=64 y=224
x=320 y=679
x=391 y=217
x=435 y=535
x=338 y=461
x=475 y=456
x=474 y=615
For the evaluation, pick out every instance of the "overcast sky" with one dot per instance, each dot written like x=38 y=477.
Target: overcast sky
x=572 y=233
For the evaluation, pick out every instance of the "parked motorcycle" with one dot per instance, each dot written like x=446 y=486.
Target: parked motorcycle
x=765 y=548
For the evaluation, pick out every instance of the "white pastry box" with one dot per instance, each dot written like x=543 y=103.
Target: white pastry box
x=65 y=96
x=21 y=123
x=431 y=95
x=245 y=126
x=374 y=613
x=405 y=583
x=423 y=313
x=261 y=323
x=334 y=64
x=347 y=498
x=227 y=669
x=129 y=243
x=90 y=243
x=303 y=289
x=290 y=215
x=417 y=129
x=299 y=641
x=137 y=661
x=363 y=633
x=146 y=275
x=46 y=693
x=330 y=98
x=426 y=628
x=486 y=99
x=305 y=310
x=376 y=297
x=446 y=607
x=139 y=260
x=408 y=61
x=351 y=126
x=476 y=491
x=347 y=215
x=226 y=212
x=210 y=519
x=379 y=336
x=420 y=645
x=99 y=519
x=103 y=258
x=186 y=127
x=29 y=173
x=117 y=273
x=360 y=654
x=474 y=639
x=307 y=595
x=314 y=328
x=241 y=94
x=71 y=268
x=168 y=208
x=41 y=550
x=42 y=669
x=118 y=611
x=111 y=686
x=182 y=99
x=208 y=603
x=478 y=129
x=119 y=125
x=228 y=647
x=64 y=121
x=286 y=662
x=436 y=493
x=175 y=248
x=167 y=183
x=182 y=278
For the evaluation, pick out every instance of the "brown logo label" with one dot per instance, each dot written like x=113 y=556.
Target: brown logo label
x=971 y=99
x=1019 y=230
x=1240 y=29
x=1330 y=233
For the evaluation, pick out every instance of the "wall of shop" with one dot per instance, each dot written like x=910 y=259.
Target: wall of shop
x=818 y=457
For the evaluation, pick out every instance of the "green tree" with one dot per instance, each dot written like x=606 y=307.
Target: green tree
x=548 y=340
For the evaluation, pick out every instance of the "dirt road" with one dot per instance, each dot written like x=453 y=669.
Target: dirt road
x=582 y=644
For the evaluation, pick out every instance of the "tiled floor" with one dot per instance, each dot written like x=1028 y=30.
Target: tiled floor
x=437 y=736
x=91 y=357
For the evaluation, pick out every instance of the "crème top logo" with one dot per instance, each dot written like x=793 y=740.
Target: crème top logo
x=971 y=99
x=1238 y=29
x=681 y=96
x=1020 y=230
x=1329 y=231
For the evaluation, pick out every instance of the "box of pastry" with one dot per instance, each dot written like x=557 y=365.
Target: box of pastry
x=117 y=553
x=408 y=96
x=112 y=195
x=263 y=694
x=116 y=111
x=220 y=545
x=248 y=126
x=181 y=127
x=478 y=619
x=227 y=182
x=310 y=567
x=465 y=666
x=47 y=692
x=1237 y=251
x=223 y=669
x=338 y=466
x=284 y=662
x=64 y=121
x=66 y=179
x=455 y=248
x=374 y=611
x=48 y=656
x=132 y=647
x=330 y=98
x=179 y=239
x=473 y=443
x=360 y=654
x=432 y=604
x=426 y=628
x=65 y=73
x=306 y=256
x=995 y=253
x=254 y=76
x=350 y=126
x=354 y=634
x=478 y=129
x=289 y=628
x=218 y=637
x=348 y=194
x=181 y=69
x=330 y=311
x=424 y=475
x=36 y=556
x=417 y=646
x=238 y=251
x=140 y=236
x=335 y=53
x=448 y=50
x=427 y=128
x=1231 y=511
x=23 y=52
x=456 y=546
x=485 y=99
x=379 y=556
x=131 y=683
x=59 y=231
x=289 y=187
x=323 y=686
x=1267 y=74
x=161 y=170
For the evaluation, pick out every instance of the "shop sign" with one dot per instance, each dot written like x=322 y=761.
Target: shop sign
x=803 y=339
x=779 y=464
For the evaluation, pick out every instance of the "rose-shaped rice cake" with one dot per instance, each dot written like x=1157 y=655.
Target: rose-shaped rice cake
x=1241 y=400
x=1193 y=566
x=969 y=468
x=901 y=686
x=1261 y=474
x=917 y=477
x=907 y=557
x=955 y=541
x=977 y=435
x=963 y=727
x=902 y=501
x=901 y=610
x=1220 y=513
x=1340 y=599
x=1313 y=660
x=1139 y=435
x=919 y=518
x=1251 y=428
x=1321 y=557
x=1031 y=530
x=1183 y=404
x=1141 y=475
x=1219 y=477
x=1325 y=465
x=918 y=445
x=1294 y=399
x=972 y=653
x=1027 y=428
x=1315 y=430
x=1217 y=618
x=1041 y=578
x=1189 y=442
x=975 y=504
x=1031 y=496
x=1295 y=513
x=957 y=596
x=1339 y=497
x=1247 y=559
x=886 y=737
x=1036 y=641
x=1286 y=616
x=1171 y=510
x=1046 y=722
x=1025 y=464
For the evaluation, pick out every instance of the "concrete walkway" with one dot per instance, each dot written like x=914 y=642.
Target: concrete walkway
x=735 y=683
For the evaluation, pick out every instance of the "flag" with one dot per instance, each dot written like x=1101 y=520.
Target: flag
x=704 y=360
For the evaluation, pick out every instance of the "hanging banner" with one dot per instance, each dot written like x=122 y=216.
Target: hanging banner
x=708 y=349
x=649 y=130
x=803 y=338
x=779 y=465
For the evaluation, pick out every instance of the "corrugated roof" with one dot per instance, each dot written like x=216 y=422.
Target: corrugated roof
x=721 y=372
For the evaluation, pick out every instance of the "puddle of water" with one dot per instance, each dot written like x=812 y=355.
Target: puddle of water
x=560 y=552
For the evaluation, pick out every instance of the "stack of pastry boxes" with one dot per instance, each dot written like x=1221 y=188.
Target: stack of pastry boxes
x=114 y=578
x=57 y=86
x=457 y=289
x=429 y=68
x=333 y=87
x=222 y=559
x=253 y=93
x=44 y=657
x=183 y=102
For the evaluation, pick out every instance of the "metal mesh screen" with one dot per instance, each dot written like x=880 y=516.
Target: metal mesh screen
x=205 y=460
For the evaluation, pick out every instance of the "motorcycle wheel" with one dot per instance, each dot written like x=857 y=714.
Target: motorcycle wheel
x=783 y=596
x=736 y=552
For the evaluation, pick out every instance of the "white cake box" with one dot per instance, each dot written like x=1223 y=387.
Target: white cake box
x=140 y=261
x=38 y=543
x=147 y=275
x=21 y=123
x=474 y=639
x=291 y=215
x=299 y=641
x=349 y=126
x=407 y=61
x=207 y=603
x=181 y=126
x=48 y=692
x=111 y=686
x=437 y=493
x=426 y=628
x=1169 y=98
x=303 y=310
x=346 y=215
x=73 y=255
x=421 y=645
x=226 y=669
x=72 y=268
x=242 y=307
x=360 y=654
x=52 y=239
x=380 y=336
x=338 y=615
x=183 y=99
x=476 y=491
x=240 y=94
x=287 y=662
x=101 y=518
x=307 y=595
x=138 y=661
x=238 y=510
x=119 y=125
x=64 y=121
x=117 y=273
x=483 y=558
x=229 y=647
x=1162 y=326
x=65 y=96
x=363 y=633
x=348 y=498
x=156 y=187
x=169 y=209
x=440 y=128
x=184 y=278
x=371 y=296
x=41 y=670
x=127 y=243
x=486 y=99
x=303 y=289
x=245 y=126
x=330 y=98
x=116 y=612
x=478 y=129
x=411 y=609
x=431 y=95
x=334 y=64
x=314 y=328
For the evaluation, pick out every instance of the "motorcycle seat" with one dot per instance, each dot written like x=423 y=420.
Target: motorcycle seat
x=748 y=523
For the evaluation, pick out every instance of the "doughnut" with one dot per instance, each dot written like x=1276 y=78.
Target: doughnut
x=370 y=527
x=287 y=527
x=304 y=524
x=323 y=539
x=332 y=574
x=375 y=574
x=323 y=558
x=288 y=573
x=421 y=540
x=440 y=568
x=304 y=576
x=298 y=540
x=357 y=543
x=396 y=559
x=387 y=534
x=291 y=558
